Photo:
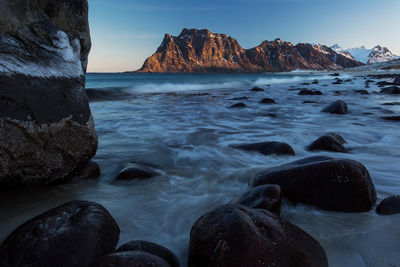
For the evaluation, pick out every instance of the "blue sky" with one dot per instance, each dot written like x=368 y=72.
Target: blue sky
x=126 y=32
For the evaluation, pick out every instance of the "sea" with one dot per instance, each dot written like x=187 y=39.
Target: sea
x=183 y=125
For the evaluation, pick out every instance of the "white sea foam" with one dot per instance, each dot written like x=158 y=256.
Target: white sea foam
x=170 y=87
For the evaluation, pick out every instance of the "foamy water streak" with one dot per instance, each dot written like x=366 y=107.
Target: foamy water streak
x=227 y=82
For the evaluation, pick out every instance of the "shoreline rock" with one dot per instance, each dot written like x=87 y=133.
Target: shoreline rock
x=389 y=206
x=136 y=171
x=329 y=142
x=267 y=148
x=234 y=236
x=73 y=234
x=337 y=107
x=328 y=183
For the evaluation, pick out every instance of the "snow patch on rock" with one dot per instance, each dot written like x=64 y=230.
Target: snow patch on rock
x=64 y=58
x=368 y=56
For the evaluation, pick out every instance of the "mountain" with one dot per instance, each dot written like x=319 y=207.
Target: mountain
x=203 y=51
x=367 y=56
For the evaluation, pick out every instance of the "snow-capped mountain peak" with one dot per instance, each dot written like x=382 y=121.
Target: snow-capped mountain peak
x=336 y=47
x=367 y=56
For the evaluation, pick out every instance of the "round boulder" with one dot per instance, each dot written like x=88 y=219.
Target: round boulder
x=238 y=105
x=267 y=100
x=267 y=197
x=389 y=206
x=329 y=142
x=257 y=89
x=330 y=184
x=235 y=236
x=337 y=107
x=137 y=171
x=73 y=234
x=268 y=148
x=151 y=248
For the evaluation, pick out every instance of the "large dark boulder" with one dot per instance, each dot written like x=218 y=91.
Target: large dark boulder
x=235 y=236
x=47 y=131
x=389 y=206
x=73 y=234
x=267 y=148
x=337 y=107
x=130 y=259
x=151 y=248
x=267 y=197
x=331 y=184
x=329 y=142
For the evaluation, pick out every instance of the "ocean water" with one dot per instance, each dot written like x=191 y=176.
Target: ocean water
x=182 y=123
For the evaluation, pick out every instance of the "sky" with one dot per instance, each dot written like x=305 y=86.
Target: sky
x=125 y=32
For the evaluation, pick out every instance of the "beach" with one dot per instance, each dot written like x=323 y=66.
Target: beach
x=182 y=125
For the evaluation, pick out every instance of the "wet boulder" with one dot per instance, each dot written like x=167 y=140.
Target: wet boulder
x=267 y=197
x=238 y=105
x=267 y=148
x=73 y=234
x=330 y=184
x=257 y=89
x=389 y=206
x=151 y=248
x=267 y=100
x=235 y=236
x=137 y=171
x=315 y=81
x=337 y=107
x=392 y=90
x=130 y=259
x=309 y=92
x=329 y=142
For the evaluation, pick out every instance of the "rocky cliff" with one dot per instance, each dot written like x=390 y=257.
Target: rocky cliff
x=203 y=51
x=47 y=132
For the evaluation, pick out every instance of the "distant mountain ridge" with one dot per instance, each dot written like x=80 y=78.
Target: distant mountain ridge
x=200 y=51
x=367 y=56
